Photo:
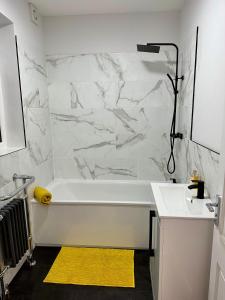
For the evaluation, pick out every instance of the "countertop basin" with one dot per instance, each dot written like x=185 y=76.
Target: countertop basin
x=175 y=201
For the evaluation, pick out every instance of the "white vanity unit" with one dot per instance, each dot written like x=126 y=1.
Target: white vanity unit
x=181 y=244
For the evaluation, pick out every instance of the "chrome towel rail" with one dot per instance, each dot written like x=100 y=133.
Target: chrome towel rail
x=27 y=180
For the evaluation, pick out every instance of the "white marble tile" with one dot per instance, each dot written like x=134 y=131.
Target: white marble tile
x=36 y=159
x=108 y=66
x=89 y=168
x=144 y=66
x=8 y=165
x=109 y=108
x=92 y=131
x=68 y=68
x=37 y=122
x=154 y=168
x=77 y=96
x=154 y=92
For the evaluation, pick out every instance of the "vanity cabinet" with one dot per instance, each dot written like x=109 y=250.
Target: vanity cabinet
x=180 y=257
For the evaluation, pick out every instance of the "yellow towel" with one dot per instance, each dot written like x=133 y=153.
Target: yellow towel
x=42 y=195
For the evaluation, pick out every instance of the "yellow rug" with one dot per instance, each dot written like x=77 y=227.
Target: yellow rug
x=93 y=266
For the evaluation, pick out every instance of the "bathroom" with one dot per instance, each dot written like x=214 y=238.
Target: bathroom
x=114 y=111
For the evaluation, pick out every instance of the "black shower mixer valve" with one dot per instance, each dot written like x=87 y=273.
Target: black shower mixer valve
x=177 y=135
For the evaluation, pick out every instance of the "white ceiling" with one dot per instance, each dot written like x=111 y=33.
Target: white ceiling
x=83 y=7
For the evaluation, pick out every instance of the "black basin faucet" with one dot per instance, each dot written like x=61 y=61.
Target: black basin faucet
x=200 y=185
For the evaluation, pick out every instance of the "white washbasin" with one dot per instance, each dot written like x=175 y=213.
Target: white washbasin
x=174 y=200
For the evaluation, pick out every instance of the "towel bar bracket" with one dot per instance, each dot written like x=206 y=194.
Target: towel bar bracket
x=24 y=179
x=27 y=180
x=4 y=287
x=3 y=272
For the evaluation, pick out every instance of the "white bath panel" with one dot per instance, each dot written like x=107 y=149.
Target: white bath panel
x=95 y=214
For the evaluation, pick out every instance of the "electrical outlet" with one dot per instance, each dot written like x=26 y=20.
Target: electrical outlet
x=34 y=13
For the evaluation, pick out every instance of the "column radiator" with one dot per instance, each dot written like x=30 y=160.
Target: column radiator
x=13 y=232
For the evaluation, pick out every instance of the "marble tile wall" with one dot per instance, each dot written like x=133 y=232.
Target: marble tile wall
x=36 y=159
x=110 y=115
x=191 y=156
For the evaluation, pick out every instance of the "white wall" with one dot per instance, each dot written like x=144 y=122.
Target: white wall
x=18 y=13
x=108 y=33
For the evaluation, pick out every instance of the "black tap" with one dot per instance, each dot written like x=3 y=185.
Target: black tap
x=200 y=185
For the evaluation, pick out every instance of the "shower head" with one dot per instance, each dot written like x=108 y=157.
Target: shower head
x=148 y=48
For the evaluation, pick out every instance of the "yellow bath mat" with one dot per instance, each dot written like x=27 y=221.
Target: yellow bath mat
x=93 y=266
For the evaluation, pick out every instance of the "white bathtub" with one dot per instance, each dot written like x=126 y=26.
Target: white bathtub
x=98 y=213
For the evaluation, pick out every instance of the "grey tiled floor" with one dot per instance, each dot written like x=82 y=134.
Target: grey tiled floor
x=28 y=284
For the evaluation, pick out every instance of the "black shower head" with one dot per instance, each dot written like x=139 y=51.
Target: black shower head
x=148 y=48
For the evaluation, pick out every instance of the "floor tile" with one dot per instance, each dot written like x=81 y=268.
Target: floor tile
x=28 y=284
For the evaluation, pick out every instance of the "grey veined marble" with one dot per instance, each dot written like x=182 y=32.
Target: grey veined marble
x=36 y=159
x=110 y=114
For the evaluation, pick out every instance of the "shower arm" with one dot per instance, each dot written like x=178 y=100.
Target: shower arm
x=175 y=86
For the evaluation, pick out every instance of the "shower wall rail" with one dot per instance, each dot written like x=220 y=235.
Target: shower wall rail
x=21 y=193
